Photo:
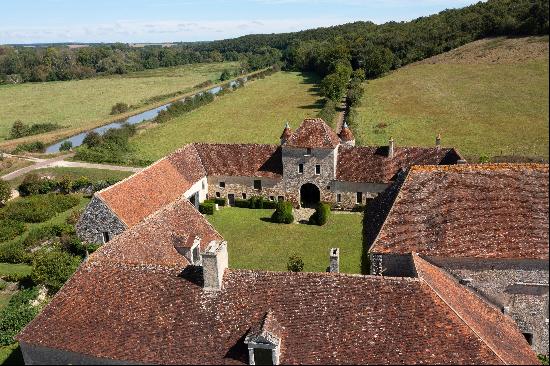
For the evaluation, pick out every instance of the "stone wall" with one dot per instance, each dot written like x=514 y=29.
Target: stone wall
x=271 y=188
x=36 y=355
x=96 y=219
x=348 y=192
x=518 y=287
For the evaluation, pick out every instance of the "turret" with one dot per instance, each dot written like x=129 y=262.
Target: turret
x=346 y=136
x=286 y=133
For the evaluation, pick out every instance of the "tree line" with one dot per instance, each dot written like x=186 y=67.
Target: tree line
x=360 y=45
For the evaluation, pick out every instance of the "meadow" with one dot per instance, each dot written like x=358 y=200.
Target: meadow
x=486 y=98
x=87 y=103
x=256 y=243
x=255 y=113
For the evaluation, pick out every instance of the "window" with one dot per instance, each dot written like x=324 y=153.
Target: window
x=106 y=236
x=338 y=198
x=528 y=338
x=359 y=197
x=257 y=184
x=301 y=168
x=317 y=169
x=222 y=184
x=308 y=151
x=244 y=196
x=280 y=198
x=218 y=194
x=263 y=356
x=203 y=186
x=272 y=198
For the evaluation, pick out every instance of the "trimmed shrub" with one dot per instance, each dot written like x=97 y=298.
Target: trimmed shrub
x=17 y=314
x=9 y=229
x=270 y=205
x=321 y=215
x=295 y=263
x=207 y=208
x=283 y=213
x=52 y=268
x=239 y=202
x=221 y=201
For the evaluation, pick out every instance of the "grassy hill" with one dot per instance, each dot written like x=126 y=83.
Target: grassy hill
x=488 y=97
x=85 y=103
x=255 y=113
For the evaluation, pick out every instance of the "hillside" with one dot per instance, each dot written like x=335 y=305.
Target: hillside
x=488 y=97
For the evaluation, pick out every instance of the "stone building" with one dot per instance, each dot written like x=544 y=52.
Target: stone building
x=486 y=225
x=146 y=298
x=310 y=164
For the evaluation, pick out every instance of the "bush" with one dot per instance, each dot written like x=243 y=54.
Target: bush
x=5 y=192
x=10 y=229
x=256 y=202
x=37 y=146
x=283 y=213
x=38 y=208
x=17 y=314
x=321 y=215
x=221 y=201
x=226 y=75
x=38 y=235
x=295 y=263
x=92 y=139
x=120 y=108
x=34 y=184
x=14 y=252
x=358 y=208
x=207 y=208
x=52 y=268
x=270 y=205
x=19 y=129
x=242 y=203
x=66 y=146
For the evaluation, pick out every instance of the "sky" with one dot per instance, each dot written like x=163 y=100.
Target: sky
x=137 y=21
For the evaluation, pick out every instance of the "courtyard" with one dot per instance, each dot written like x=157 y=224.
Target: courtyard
x=256 y=243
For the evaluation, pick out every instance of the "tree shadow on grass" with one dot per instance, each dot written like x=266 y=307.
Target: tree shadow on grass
x=15 y=357
x=317 y=105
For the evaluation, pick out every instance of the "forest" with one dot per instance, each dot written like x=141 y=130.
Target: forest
x=361 y=45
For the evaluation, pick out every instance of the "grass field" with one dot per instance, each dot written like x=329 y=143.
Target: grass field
x=17 y=269
x=487 y=98
x=255 y=113
x=82 y=103
x=255 y=243
x=74 y=173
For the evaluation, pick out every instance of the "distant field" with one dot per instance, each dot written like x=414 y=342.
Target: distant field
x=255 y=113
x=486 y=98
x=82 y=102
x=254 y=243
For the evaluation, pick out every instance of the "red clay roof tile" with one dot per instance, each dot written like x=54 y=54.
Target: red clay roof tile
x=313 y=133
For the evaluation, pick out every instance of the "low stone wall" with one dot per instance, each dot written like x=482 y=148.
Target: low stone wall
x=96 y=219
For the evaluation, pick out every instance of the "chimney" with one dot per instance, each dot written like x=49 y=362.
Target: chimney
x=438 y=141
x=390 y=148
x=214 y=264
x=334 y=260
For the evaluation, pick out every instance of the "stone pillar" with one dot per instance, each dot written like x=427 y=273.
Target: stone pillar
x=391 y=148
x=438 y=141
x=214 y=263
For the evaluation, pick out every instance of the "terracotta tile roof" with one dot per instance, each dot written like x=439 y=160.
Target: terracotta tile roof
x=152 y=242
x=143 y=193
x=248 y=160
x=371 y=163
x=152 y=316
x=497 y=330
x=313 y=132
x=346 y=134
x=287 y=132
x=484 y=211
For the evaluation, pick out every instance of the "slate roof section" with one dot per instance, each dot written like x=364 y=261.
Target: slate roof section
x=142 y=314
x=313 y=133
x=477 y=211
x=143 y=193
x=497 y=330
x=372 y=164
x=244 y=160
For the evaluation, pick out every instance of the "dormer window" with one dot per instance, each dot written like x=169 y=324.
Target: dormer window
x=189 y=247
x=264 y=342
x=308 y=151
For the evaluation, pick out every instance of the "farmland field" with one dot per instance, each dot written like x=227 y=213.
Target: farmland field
x=256 y=243
x=253 y=114
x=486 y=98
x=84 y=103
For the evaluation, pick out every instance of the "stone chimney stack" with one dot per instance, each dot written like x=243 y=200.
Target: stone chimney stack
x=214 y=263
x=334 y=260
x=438 y=141
x=391 y=147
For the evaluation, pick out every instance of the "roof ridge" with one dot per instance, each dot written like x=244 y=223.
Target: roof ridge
x=326 y=274
x=481 y=167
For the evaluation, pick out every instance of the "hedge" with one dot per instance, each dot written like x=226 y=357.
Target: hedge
x=283 y=213
x=321 y=215
x=34 y=184
x=41 y=208
x=207 y=208
x=242 y=203
x=220 y=201
x=10 y=229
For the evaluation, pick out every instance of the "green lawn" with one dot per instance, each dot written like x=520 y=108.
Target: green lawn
x=74 y=173
x=82 y=103
x=255 y=113
x=18 y=269
x=255 y=243
x=480 y=108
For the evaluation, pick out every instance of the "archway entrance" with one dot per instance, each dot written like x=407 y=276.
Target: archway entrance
x=310 y=195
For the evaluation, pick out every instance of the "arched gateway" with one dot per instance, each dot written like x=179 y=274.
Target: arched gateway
x=310 y=195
